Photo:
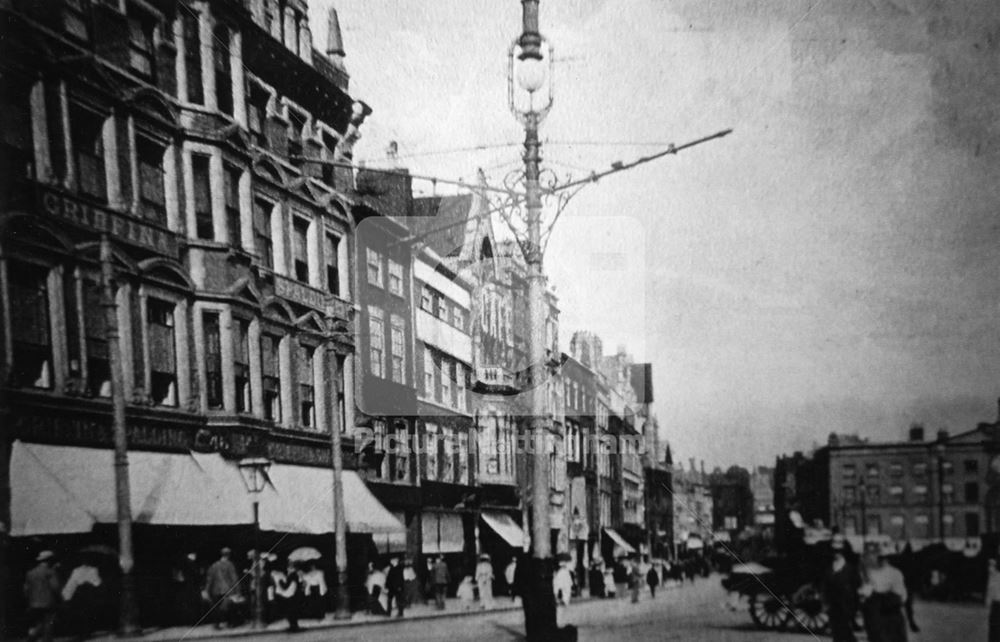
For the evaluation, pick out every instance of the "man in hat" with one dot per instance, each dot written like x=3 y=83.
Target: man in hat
x=41 y=589
x=395 y=587
x=484 y=580
x=840 y=589
x=440 y=578
x=220 y=588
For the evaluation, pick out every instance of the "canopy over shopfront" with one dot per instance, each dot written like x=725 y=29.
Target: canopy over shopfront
x=505 y=526
x=64 y=489
x=619 y=541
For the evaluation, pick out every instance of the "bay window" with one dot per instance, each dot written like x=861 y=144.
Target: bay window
x=162 y=352
x=428 y=373
x=447 y=454
x=446 y=376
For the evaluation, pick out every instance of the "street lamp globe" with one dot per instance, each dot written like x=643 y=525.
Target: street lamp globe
x=531 y=74
x=254 y=470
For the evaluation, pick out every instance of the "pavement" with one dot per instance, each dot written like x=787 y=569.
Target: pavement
x=698 y=612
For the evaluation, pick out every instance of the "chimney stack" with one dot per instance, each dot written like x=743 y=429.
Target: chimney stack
x=334 y=39
x=942 y=435
x=691 y=463
x=916 y=433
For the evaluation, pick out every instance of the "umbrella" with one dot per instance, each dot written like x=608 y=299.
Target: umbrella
x=750 y=568
x=304 y=554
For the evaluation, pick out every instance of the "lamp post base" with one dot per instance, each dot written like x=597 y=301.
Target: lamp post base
x=539 y=604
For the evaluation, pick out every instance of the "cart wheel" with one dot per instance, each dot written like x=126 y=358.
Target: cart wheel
x=809 y=611
x=768 y=612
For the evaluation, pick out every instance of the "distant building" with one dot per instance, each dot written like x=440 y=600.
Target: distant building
x=917 y=491
x=762 y=488
x=692 y=520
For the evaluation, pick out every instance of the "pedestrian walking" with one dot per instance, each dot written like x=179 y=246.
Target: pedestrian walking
x=562 y=587
x=411 y=587
x=375 y=585
x=993 y=600
x=395 y=586
x=220 y=589
x=484 y=580
x=41 y=590
x=910 y=569
x=289 y=590
x=314 y=592
x=653 y=580
x=840 y=589
x=441 y=578
x=509 y=574
x=466 y=593
x=595 y=579
x=610 y=588
x=635 y=580
x=81 y=597
x=883 y=592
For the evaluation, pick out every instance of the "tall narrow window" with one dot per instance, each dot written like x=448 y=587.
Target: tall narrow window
x=297 y=123
x=257 y=100
x=307 y=394
x=241 y=365
x=460 y=386
x=431 y=449
x=192 y=58
x=162 y=352
x=447 y=454
x=262 y=232
x=213 y=360
x=140 y=42
x=462 y=465
x=223 y=70
x=395 y=278
x=446 y=377
x=152 y=198
x=270 y=366
x=96 y=334
x=427 y=300
x=30 y=330
x=401 y=453
x=398 y=350
x=300 y=248
x=374 y=267
x=17 y=152
x=204 y=228
x=231 y=187
x=88 y=143
x=376 y=341
x=428 y=373
x=330 y=255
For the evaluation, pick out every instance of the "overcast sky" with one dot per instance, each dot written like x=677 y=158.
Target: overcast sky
x=830 y=266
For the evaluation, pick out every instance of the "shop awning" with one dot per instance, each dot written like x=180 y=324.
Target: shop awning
x=505 y=526
x=619 y=540
x=299 y=499
x=387 y=543
x=67 y=489
x=442 y=533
